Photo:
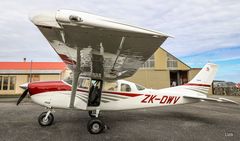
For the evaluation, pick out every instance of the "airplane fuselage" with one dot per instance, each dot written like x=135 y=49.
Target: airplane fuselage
x=56 y=94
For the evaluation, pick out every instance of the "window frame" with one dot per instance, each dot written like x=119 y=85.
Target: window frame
x=150 y=63
x=10 y=79
x=1 y=82
x=5 y=84
x=172 y=62
x=14 y=83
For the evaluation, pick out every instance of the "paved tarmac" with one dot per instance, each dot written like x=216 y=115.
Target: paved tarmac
x=200 y=121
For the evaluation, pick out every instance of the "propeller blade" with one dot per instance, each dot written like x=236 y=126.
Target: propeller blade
x=22 y=96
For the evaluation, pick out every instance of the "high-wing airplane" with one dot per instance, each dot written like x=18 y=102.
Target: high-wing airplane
x=100 y=52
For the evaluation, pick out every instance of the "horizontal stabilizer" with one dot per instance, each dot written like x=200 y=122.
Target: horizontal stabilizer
x=223 y=100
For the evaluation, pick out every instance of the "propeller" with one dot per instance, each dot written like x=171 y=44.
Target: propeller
x=22 y=96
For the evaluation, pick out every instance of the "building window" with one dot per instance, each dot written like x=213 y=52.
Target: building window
x=0 y=82
x=12 y=82
x=171 y=62
x=149 y=63
x=7 y=82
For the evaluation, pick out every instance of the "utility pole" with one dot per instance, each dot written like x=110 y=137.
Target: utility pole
x=30 y=75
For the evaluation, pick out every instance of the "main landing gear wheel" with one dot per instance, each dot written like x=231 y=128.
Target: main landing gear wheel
x=45 y=121
x=95 y=126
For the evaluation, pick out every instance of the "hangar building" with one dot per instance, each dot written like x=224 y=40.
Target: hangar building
x=162 y=70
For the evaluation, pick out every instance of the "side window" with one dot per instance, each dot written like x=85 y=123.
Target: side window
x=110 y=86
x=140 y=87
x=125 y=88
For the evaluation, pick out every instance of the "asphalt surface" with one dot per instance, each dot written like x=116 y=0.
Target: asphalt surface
x=200 y=121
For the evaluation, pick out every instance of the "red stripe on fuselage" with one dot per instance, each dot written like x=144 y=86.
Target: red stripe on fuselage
x=47 y=86
x=50 y=86
x=194 y=84
x=123 y=93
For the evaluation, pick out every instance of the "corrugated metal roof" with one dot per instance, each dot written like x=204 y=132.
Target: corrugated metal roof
x=33 y=66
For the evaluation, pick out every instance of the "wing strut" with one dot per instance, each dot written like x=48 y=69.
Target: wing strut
x=118 y=52
x=76 y=73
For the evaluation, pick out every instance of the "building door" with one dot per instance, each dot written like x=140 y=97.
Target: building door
x=173 y=78
x=178 y=78
x=183 y=77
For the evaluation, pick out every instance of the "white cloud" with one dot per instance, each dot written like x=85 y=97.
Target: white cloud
x=198 y=26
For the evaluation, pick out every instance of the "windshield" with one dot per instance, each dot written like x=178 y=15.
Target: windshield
x=68 y=80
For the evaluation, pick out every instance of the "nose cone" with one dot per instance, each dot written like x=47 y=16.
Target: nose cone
x=44 y=18
x=24 y=86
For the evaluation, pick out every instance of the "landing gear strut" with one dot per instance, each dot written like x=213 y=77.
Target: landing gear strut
x=91 y=114
x=95 y=124
x=46 y=118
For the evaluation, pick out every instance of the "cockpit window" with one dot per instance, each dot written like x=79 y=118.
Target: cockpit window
x=110 y=86
x=125 y=88
x=82 y=82
x=140 y=87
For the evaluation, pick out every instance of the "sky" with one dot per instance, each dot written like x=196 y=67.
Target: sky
x=203 y=30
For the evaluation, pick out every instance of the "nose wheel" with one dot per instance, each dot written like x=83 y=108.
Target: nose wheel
x=46 y=118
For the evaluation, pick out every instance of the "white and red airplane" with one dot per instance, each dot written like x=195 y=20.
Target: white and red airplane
x=100 y=52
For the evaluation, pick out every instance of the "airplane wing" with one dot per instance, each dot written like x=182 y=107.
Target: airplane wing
x=223 y=100
x=109 y=49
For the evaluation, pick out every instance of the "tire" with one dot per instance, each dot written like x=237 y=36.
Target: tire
x=95 y=126
x=44 y=122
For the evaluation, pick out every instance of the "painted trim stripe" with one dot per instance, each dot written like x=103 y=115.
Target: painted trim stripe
x=115 y=93
x=194 y=84
x=197 y=87
x=124 y=93
x=199 y=91
x=115 y=96
x=84 y=100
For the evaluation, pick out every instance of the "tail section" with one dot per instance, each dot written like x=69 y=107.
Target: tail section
x=205 y=76
x=201 y=83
